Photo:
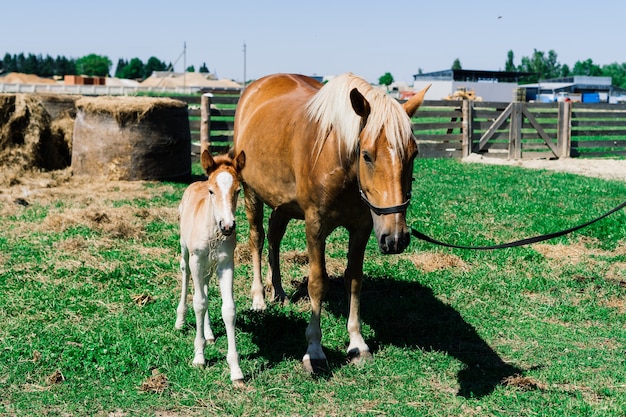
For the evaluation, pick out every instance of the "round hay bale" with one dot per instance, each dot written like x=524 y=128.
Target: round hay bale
x=131 y=138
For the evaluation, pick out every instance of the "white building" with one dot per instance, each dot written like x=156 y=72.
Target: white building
x=498 y=86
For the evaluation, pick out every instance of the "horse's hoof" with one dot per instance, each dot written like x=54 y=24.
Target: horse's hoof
x=209 y=341
x=258 y=306
x=356 y=357
x=239 y=383
x=315 y=366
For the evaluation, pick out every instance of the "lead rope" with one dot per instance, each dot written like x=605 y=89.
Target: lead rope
x=516 y=243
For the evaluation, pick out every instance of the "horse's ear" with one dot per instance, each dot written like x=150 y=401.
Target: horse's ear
x=240 y=161
x=359 y=103
x=207 y=161
x=414 y=102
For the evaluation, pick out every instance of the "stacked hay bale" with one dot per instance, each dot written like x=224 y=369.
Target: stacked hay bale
x=35 y=131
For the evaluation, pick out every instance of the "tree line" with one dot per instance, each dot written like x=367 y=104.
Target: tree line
x=545 y=66
x=90 y=65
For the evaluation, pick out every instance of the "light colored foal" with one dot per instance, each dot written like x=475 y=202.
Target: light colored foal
x=207 y=242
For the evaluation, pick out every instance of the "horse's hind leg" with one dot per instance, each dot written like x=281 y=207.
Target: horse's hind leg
x=276 y=230
x=254 y=213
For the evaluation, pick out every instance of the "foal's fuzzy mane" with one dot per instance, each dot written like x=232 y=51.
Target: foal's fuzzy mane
x=332 y=109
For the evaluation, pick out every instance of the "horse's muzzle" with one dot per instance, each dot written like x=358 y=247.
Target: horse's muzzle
x=393 y=244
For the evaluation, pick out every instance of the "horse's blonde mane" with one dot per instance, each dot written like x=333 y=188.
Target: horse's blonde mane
x=331 y=108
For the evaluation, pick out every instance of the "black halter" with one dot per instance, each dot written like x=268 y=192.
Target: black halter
x=384 y=210
x=378 y=210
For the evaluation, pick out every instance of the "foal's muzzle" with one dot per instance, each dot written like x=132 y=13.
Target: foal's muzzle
x=227 y=229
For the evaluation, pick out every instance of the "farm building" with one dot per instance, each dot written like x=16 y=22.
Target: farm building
x=577 y=88
x=499 y=86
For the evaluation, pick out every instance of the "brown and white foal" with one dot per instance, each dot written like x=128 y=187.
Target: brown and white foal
x=207 y=242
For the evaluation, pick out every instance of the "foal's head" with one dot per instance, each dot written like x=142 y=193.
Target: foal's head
x=223 y=180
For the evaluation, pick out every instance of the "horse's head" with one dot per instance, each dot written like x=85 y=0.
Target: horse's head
x=223 y=179
x=385 y=167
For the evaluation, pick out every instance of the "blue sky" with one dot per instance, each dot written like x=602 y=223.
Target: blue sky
x=320 y=37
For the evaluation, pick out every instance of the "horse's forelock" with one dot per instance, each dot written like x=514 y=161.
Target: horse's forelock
x=388 y=114
x=331 y=108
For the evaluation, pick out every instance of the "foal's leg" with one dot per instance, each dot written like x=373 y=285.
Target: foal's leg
x=314 y=360
x=353 y=278
x=208 y=332
x=225 y=275
x=254 y=213
x=181 y=310
x=276 y=230
x=197 y=266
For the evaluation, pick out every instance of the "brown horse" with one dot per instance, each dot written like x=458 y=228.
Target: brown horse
x=339 y=154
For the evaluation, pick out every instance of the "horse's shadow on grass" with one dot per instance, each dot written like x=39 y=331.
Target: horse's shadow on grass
x=404 y=314
x=279 y=335
x=407 y=314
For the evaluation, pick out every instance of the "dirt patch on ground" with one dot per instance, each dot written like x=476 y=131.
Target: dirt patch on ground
x=610 y=169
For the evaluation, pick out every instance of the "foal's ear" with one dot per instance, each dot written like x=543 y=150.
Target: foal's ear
x=359 y=103
x=415 y=102
x=207 y=161
x=240 y=161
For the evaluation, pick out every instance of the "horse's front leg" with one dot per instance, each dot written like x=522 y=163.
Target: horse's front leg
x=358 y=350
x=225 y=269
x=315 y=360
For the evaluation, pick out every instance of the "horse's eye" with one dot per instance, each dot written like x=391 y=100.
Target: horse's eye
x=367 y=157
x=211 y=192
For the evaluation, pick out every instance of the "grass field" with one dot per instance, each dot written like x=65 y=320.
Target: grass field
x=89 y=285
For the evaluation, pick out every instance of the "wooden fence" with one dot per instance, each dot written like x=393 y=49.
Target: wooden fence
x=454 y=129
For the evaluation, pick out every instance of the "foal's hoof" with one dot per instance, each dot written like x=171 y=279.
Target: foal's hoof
x=314 y=366
x=239 y=384
x=258 y=305
x=356 y=357
x=198 y=361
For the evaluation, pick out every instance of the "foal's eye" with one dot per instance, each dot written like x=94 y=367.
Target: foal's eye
x=211 y=192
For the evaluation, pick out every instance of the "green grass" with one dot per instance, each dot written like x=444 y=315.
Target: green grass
x=537 y=330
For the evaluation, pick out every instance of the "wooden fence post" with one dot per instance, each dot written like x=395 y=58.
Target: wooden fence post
x=205 y=121
x=515 y=131
x=564 y=129
x=467 y=114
